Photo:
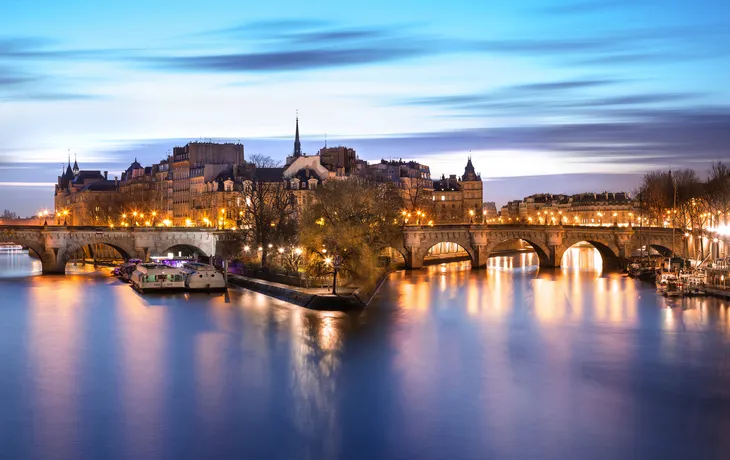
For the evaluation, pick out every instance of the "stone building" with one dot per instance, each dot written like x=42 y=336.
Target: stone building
x=83 y=197
x=190 y=157
x=592 y=209
x=413 y=179
x=458 y=199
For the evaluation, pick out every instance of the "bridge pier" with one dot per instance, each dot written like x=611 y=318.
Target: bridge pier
x=413 y=259
x=50 y=263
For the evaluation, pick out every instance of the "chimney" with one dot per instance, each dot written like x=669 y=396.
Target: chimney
x=115 y=181
x=105 y=174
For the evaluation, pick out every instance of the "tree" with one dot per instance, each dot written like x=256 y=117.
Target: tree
x=418 y=193
x=8 y=214
x=718 y=193
x=354 y=219
x=269 y=215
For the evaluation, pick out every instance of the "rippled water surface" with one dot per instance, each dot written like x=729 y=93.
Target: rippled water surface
x=446 y=363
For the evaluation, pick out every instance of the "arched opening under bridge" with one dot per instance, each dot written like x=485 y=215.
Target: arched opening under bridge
x=86 y=257
x=392 y=258
x=590 y=256
x=448 y=251
x=181 y=252
x=517 y=253
x=18 y=260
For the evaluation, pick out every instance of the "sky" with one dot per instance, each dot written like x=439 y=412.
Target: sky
x=546 y=96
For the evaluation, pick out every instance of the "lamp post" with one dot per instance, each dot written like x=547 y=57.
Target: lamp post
x=337 y=260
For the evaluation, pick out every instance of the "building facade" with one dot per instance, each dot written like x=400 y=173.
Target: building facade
x=459 y=199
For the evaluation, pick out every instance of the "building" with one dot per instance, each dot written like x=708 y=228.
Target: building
x=458 y=199
x=83 y=197
x=413 y=179
x=489 y=211
x=599 y=209
x=191 y=157
x=341 y=160
x=509 y=212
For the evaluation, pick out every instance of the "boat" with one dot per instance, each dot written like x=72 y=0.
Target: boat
x=157 y=277
x=203 y=277
x=693 y=282
x=643 y=270
x=9 y=248
x=669 y=285
x=126 y=269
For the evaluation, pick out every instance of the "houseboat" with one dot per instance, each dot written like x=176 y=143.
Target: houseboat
x=668 y=284
x=203 y=277
x=156 y=277
x=693 y=282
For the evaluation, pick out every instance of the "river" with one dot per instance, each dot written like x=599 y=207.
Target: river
x=447 y=363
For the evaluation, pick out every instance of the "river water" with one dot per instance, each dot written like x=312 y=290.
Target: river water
x=446 y=363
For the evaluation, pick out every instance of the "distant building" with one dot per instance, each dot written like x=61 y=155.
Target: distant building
x=511 y=211
x=83 y=197
x=599 y=209
x=191 y=157
x=489 y=210
x=412 y=178
x=459 y=199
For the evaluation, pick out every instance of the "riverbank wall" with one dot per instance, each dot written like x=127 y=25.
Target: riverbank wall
x=301 y=297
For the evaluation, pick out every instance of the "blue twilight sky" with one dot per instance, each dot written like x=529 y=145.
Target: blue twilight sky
x=547 y=96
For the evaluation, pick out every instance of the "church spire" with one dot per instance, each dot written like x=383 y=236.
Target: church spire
x=297 y=144
x=76 y=166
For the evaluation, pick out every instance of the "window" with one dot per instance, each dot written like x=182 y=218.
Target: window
x=443 y=198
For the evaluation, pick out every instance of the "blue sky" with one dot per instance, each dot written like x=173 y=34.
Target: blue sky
x=547 y=96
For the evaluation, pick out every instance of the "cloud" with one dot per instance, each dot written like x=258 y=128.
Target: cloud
x=514 y=94
x=291 y=60
x=588 y=6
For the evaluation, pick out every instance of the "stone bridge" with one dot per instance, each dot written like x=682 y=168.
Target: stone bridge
x=615 y=244
x=55 y=245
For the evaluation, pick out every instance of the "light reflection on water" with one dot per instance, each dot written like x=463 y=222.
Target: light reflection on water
x=508 y=362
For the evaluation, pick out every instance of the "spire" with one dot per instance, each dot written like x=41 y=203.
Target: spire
x=76 y=167
x=297 y=144
x=469 y=173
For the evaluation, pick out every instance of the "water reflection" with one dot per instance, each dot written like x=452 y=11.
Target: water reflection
x=14 y=265
x=448 y=362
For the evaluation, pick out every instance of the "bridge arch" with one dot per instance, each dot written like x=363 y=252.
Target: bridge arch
x=393 y=256
x=65 y=255
x=442 y=248
x=543 y=254
x=663 y=250
x=36 y=246
x=608 y=251
x=175 y=248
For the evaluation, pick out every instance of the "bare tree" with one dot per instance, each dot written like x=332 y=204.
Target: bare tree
x=269 y=215
x=718 y=193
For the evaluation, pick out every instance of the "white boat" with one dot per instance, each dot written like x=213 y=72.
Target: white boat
x=693 y=283
x=668 y=284
x=200 y=276
x=156 y=277
x=6 y=248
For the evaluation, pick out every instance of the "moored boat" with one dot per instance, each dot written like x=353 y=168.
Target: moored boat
x=157 y=277
x=693 y=282
x=669 y=285
x=203 y=277
x=126 y=269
